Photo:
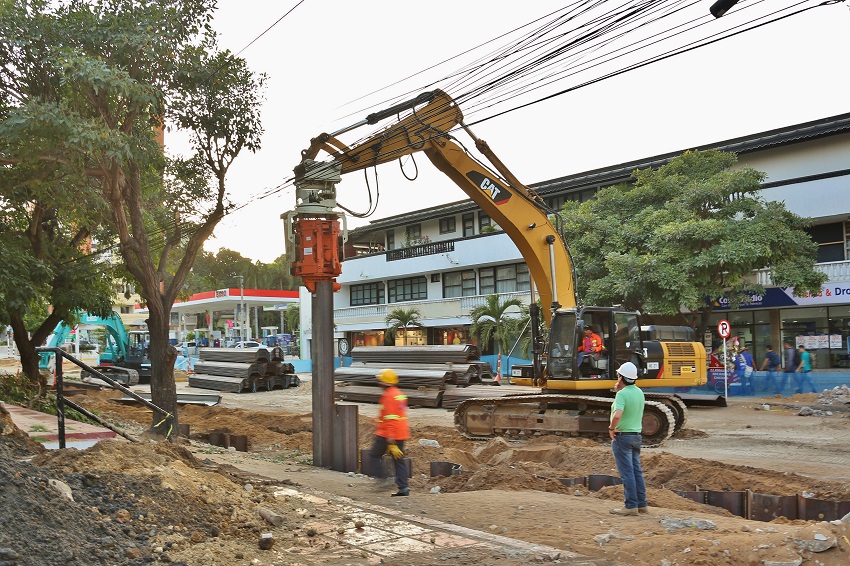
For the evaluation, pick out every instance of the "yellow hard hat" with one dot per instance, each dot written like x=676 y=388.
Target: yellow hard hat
x=387 y=376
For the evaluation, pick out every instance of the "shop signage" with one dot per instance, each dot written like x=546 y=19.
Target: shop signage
x=831 y=293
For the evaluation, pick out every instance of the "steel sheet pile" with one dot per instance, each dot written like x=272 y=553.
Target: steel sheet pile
x=243 y=369
x=424 y=372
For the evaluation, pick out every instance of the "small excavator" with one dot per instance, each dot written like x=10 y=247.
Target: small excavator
x=575 y=398
x=124 y=358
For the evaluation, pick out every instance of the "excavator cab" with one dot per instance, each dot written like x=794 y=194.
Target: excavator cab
x=613 y=337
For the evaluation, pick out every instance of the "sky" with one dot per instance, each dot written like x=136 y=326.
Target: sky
x=331 y=62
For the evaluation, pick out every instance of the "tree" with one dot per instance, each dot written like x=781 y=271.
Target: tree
x=492 y=321
x=686 y=235
x=126 y=68
x=292 y=318
x=401 y=318
x=48 y=210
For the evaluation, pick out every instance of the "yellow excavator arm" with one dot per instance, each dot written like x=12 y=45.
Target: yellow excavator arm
x=518 y=210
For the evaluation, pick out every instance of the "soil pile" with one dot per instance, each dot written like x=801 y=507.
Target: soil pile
x=197 y=504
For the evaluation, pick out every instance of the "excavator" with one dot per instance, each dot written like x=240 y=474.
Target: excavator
x=575 y=398
x=125 y=357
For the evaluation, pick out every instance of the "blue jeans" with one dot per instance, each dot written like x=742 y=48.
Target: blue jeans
x=803 y=378
x=379 y=448
x=626 y=449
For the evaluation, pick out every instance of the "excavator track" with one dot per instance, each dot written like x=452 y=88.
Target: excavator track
x=675 y=404
x=125 y=376
x=527 y=416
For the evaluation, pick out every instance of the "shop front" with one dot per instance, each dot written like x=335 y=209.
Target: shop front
x=820 y=323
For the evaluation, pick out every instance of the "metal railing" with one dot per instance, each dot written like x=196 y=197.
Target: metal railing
x=168 y=418
x=432 y=248
x=463 y=306
x=835 y=271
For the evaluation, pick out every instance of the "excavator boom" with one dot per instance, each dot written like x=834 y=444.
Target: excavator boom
x=516 y=209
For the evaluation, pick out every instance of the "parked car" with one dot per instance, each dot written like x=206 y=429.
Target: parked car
x=247 y=344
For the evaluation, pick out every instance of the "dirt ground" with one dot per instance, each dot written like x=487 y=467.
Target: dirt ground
x=196 y=503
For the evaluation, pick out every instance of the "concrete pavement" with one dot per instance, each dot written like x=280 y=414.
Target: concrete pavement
x=44 y=428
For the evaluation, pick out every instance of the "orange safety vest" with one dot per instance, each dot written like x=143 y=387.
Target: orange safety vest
x=392 y=416
x=592 y=343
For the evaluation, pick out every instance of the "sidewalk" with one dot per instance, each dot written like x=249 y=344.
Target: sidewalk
x=44 y=428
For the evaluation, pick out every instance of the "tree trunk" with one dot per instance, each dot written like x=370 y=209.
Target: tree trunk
x=29 y=358
x=163 y=387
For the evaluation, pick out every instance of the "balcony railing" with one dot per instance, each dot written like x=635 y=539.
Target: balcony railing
x=431 y=308
x=431 y=248
x=835 y=270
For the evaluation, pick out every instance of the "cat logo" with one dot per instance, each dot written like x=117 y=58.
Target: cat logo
x=497 y=193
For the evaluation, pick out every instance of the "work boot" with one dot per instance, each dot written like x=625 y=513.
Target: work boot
x=401 y=493
x=643 y=509
x=624 y=511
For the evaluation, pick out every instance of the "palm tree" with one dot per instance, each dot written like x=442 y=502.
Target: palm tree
x=401 y=318
x=490 y=320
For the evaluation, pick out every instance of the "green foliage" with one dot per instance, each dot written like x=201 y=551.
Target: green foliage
x=688 y=231
x=292 y=318
x=400 y=319
x=19 y=390
x=492 y=321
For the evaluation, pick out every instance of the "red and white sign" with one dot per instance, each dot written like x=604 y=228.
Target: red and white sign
x=724 y=328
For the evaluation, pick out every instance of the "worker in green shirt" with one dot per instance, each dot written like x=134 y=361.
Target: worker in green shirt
x=625 y=433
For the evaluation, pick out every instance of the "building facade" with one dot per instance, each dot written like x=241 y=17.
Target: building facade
x=445 y=260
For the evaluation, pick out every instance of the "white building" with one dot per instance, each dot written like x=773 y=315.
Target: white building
x=445 y=260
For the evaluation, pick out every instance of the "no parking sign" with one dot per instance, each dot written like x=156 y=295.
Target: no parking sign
x=724 y=328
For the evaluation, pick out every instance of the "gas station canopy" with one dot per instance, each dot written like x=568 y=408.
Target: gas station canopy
x=228 y=300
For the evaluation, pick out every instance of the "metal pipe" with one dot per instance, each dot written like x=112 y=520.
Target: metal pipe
x=323 y=368
x=550 y=239
x=60 y=399
x=115 y=385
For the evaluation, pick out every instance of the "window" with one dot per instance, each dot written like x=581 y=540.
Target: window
x=556 y=202
x=580 y=196
x=448 y=225
x=367 y=294
x=390 y=239
x=468 y=221
x=830 y=241
x=459 y=284
x=484 y=222
x=410 y=289
x=413 y=232
x=505 y=279
x=435 y=278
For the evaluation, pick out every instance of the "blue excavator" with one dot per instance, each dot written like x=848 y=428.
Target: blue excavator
x=124 y=357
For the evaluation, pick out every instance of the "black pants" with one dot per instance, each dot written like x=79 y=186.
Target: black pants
x=379 y=448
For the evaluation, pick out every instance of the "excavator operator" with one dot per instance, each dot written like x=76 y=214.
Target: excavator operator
x=592 y=344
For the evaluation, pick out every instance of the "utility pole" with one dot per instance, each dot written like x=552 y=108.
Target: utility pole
x=241 y=307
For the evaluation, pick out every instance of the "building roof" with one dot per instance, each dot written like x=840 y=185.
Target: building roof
x=617 y=173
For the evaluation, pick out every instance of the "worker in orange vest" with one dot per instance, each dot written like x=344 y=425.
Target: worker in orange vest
x=391 y=430
x=592 y=344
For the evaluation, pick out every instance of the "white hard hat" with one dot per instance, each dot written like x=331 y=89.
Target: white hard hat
x=628 y=371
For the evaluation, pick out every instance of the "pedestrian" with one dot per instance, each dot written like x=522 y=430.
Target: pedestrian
x=391 y=430
x=771 y=363
x=745 y=366
x=805 y=371
x=626 y=439
x=790 y=366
